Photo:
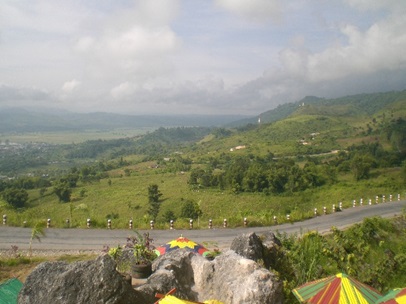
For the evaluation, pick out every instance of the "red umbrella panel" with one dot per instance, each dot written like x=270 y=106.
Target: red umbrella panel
x=179 y=243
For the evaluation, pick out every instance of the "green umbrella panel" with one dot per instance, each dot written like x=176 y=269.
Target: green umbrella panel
x=395 y=296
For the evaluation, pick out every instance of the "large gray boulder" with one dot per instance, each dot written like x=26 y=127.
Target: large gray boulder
x=173 y=270
x=248 y=246
x=239 y=280
x=263 y=249
x=88 y=282
x=229 y=278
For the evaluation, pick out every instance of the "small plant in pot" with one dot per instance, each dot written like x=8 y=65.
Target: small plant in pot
x=143 y=255
x=135 y=258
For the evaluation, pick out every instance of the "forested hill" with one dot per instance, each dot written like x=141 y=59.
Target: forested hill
x=23 y=120
x=354 y=105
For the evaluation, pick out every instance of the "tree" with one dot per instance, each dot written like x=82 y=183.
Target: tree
x=63 y=191
x=169 y=215
x=190 y=210
x=404 y=172
x=153 y=199
x=361 y=165
x=15 y=197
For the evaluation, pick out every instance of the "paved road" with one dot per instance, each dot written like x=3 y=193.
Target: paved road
x=95 y=239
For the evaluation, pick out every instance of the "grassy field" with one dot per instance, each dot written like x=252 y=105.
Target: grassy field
x=121 y=198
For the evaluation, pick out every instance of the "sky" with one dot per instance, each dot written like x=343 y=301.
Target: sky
x=196 y=56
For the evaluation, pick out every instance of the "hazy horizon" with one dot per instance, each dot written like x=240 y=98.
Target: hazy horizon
x=228 y=57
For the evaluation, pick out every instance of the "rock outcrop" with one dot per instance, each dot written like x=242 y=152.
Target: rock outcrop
x=232 y=277
x=263 y=249
x=89 y=282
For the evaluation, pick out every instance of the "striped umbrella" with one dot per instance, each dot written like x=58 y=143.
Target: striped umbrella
x=337 y=289
x=395 y=296
x=179 y=243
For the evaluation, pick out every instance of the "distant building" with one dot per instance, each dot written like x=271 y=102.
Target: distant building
x=237 y=148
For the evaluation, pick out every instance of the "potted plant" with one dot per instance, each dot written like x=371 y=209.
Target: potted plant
x=143 y=255
x=135 y=258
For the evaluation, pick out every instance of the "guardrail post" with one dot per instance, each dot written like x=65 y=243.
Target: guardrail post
x=390 y=197
x=353 y=203
x=398 y=197
x=340 y=206
x=383 y=199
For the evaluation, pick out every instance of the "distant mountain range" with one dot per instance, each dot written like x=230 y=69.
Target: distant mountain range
x=35 y=120
x=28 y=120
x=360 y=104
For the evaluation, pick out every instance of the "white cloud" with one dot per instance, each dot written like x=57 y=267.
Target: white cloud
x=393 y=5
x=256 y=10
x=173 y=56
x=71 y=85
x=123 y=90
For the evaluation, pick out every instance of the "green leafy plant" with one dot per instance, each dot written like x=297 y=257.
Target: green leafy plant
x=142 y=247
x=36 y=233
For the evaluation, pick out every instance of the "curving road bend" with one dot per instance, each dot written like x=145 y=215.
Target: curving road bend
x=95 y=239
